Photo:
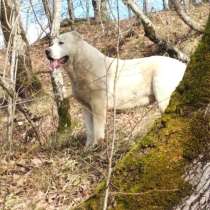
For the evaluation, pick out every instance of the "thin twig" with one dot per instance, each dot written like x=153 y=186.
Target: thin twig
x=22 y=109
x=43 y=30
x=105 y=205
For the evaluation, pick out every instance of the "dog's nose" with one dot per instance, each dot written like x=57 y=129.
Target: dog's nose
x=47 y=51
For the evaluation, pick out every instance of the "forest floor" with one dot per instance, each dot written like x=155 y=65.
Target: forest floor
x=59 y=173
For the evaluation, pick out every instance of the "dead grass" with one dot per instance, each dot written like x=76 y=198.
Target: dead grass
x=60 y=173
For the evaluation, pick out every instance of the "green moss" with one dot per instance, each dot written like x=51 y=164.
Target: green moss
x=156 y=173
x=92 y=203
x=200 y=136
x=100 y=186
x=195 y=88
x=64 y=116
x=36 y=84
x=150 y=176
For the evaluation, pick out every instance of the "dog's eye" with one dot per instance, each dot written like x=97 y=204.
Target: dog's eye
x=60 y=43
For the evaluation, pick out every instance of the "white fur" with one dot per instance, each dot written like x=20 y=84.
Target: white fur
x=138 y=81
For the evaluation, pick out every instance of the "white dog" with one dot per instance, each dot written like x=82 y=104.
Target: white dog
x=100 y=82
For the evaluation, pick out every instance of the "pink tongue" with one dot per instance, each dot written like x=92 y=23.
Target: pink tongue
x=54 y=64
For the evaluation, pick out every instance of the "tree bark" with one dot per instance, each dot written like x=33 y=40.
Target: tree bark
x=57 y=78
x=87 y=5
x=55 y=30
x=165 y=5
x=186 y=5
x=169 y=168
x=199 y=177
x=100 y=10
x=26 y=113
x=26 y=81
x=196 y=2
x=145 y=6
x=170 y=5
x=186 y=18
x=151 y=33
x=71 y=10
x=13 y=72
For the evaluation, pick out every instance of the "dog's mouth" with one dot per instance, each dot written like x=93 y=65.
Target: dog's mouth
x=57 y=63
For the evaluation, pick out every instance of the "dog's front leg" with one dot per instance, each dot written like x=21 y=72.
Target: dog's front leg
x=88 y=121
x=99 y=121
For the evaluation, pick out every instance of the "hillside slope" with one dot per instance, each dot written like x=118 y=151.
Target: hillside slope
x=169 y=168
x=59 y=174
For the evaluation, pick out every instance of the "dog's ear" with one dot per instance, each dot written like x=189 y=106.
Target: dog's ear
x=76 y=35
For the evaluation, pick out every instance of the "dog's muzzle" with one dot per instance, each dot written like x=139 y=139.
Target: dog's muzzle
x=56 y=63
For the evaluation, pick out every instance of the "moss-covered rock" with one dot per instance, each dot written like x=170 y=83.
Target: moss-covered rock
x=150 y=176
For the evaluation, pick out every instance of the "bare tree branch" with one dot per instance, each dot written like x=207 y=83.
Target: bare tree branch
x=26 y=113
x=37 y=20
x=48 y=12
x=26 y=81
x=186 y=18
x=151 y=33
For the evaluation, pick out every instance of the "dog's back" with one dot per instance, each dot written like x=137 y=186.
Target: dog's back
x=140 y=80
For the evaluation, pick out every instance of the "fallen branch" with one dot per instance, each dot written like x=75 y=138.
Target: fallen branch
x=150 y=32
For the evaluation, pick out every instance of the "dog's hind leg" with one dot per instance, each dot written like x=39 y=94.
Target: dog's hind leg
x=162 y=92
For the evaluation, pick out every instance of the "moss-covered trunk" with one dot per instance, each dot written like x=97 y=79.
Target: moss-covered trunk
x=62 y=103
x=151 y=175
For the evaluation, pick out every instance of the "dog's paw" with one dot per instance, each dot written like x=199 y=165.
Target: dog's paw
x=96 y=147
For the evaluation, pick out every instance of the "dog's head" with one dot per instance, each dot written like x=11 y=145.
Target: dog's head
x=62 y=48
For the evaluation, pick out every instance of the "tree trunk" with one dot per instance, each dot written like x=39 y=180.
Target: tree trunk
x=55 y=30
x=151 y=33
x=145 y=6
x=186 y=18
x=186 y=5
x=57 y=78
x=170 y=5
x=199 y=177
x=169 y=168
x=26 y=113
x=48 y=12
x=71 y=10
x=87 y=5
x=13 y=73
x=165 y=5
x=100 y=10
x=196 y=2
x=26 y=82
